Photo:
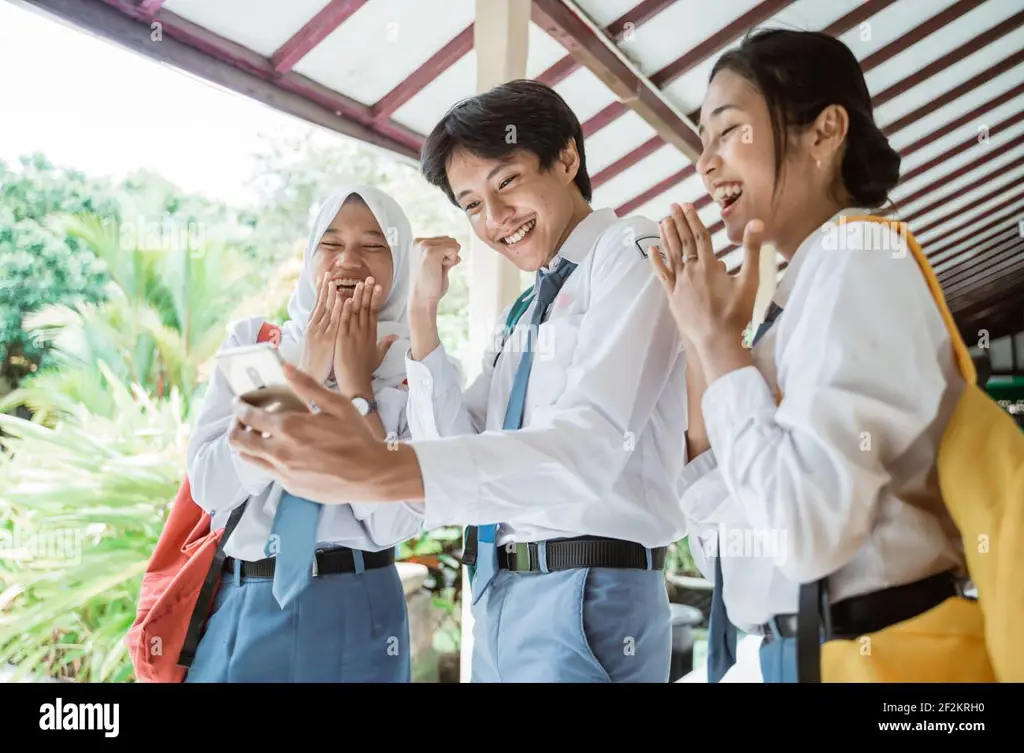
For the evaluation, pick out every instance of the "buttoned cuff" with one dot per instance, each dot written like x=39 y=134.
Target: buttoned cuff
x=731 y=401
x=422 y=375
x=451 y=482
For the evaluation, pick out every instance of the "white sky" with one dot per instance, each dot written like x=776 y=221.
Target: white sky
x=89 y=105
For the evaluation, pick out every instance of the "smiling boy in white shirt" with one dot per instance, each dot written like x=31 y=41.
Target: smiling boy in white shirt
x=568 y=476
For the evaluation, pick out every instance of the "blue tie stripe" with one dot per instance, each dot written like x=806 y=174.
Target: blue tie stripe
x=547 y=287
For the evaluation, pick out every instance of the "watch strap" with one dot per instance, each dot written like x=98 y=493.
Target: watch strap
x=371 y=403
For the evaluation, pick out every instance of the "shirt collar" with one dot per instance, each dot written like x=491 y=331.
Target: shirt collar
x=785 y=285
x=583 y=238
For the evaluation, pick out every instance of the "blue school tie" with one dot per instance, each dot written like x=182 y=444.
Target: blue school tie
x=721 y=631
x=548 y=285
x=292 y=543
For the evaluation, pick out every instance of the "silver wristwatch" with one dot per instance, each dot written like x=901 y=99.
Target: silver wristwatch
x=364 y=406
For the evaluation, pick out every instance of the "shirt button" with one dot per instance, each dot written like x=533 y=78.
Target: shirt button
x=425 y=382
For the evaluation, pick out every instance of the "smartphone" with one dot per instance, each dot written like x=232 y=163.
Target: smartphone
x=255 y=374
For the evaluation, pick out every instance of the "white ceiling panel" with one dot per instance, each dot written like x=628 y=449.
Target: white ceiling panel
x=260 y=25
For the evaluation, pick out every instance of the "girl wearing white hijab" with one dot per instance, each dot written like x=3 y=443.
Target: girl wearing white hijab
x=345 y=620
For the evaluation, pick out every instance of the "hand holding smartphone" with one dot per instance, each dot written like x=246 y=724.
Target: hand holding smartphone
x=255 y=374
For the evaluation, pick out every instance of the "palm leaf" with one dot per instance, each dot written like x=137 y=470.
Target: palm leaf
x=82 y=504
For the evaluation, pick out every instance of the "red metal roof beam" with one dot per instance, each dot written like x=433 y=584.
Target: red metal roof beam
x=388 y=134
x=954 y=94
x=316 y=30
x=599 y=54
x=622 y=25
x=994 y=254
x=946 y=179
x=968 y=253
x=994 y=34
x=714 y=44
x=967 y=298
x=414 y=83
x=149 y=7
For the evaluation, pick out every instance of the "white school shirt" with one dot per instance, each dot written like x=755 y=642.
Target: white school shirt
x=221 y=481
x=815 y=485
x=601 y=448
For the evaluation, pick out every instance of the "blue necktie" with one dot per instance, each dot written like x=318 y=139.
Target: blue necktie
x=292 y=543
x=548 y=285
x=721 y=631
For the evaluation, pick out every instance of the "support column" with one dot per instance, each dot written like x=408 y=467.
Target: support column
x=501 y=42
x=500 y=37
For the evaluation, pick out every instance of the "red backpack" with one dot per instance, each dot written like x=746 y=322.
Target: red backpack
x=180 y=584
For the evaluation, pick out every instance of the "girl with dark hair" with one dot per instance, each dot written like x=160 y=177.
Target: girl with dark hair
x=811 y=454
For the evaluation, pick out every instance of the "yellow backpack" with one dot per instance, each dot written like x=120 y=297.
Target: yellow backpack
x=981 y=477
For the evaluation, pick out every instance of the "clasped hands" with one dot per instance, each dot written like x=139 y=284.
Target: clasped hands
x=341 y=337
x=711 y=308
x=330 y=456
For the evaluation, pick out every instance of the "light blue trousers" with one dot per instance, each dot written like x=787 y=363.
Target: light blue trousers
x=778 y=660
x=344 y=627
x=584 y=625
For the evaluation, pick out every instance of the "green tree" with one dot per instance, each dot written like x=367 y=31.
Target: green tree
x=43 y=265
x=162 y=320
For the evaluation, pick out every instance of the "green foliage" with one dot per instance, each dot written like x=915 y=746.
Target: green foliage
x=163 y=318
x=81 y=507
x=42 y=265
x=679 y=559
x=134 y=285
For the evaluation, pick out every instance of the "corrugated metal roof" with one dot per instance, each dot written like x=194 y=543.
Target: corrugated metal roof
x=945 y=77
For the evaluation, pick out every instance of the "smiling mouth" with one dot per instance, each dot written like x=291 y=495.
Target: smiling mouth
x=517 y=237
x=346 y=284
x=727 y=194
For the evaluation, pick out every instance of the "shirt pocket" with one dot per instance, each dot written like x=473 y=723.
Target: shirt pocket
x=552 y=358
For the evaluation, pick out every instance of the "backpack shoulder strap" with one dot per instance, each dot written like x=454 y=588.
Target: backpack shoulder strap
x=269 y=332
x=963 y=357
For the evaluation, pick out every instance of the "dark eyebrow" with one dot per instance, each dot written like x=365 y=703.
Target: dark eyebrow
x=502 y=163
x=715 y=113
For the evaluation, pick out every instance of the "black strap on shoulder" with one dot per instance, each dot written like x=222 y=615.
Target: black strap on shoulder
x=205 y=601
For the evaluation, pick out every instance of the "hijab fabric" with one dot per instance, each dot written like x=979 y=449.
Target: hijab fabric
x=392 y=319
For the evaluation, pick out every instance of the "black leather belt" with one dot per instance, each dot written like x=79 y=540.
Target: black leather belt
x=868 y=613
x=327 y=562
x=584 y=551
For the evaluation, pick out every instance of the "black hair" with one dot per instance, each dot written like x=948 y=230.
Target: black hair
x=544 y=125
x=799 y=74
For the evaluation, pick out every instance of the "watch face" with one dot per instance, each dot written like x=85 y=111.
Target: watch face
x=361 y=405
